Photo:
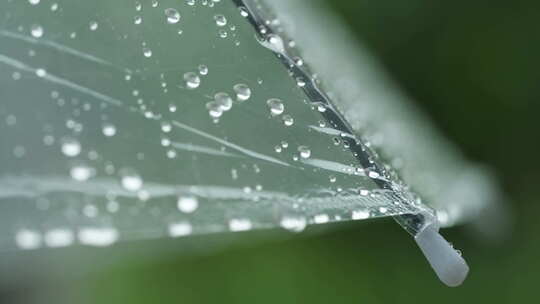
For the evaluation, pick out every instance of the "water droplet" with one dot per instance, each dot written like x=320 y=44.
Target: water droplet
x=36 y=30
x=222 y=33
x=360 y=214
x=28 y=239
x=288 y=120
x=373 y=174
x=243 y=11
x=171 y=153
x=304 y=151
x=93 y=25
x=293 y=223
x=364 y=192
x=94 y=236
x=223 y=100
x=276 y=106
x=180 y=229
x=214 y=109
x=332 y=178
x=321 y=218
x=155 y=3
x=203 y=69
x=187 y=204
x=172 y=15
x=190 y=2
x=220 y=20
x=34 y=2
x=60 y=237
x=71 y=147
x=81 y=173
x=138 y=6
x=298 y=61
x=240 y=224
x=41 y=72
x=192 y=80
x=147 y=52
x=278 y=149
x=130 y=180
x=108 y=129
x=274 y=43
x=137 y=19
x=321 y=107
x=166 y=127
x=90 y=211
x=243 y=92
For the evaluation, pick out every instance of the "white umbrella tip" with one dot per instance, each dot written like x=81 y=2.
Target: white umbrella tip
x=447 y=262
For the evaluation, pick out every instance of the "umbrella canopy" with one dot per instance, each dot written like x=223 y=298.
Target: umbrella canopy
x=129 y=121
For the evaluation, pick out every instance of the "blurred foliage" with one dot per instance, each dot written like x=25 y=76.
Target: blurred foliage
x=473 y=67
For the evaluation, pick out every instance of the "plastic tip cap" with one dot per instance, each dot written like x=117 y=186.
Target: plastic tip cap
x=447 y=263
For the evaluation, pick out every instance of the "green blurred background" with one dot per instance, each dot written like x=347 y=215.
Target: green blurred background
x=473 y=66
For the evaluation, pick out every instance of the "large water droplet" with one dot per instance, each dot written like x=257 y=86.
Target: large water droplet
x=243 y=92
x=172 y=15
x=276 y=106
x=214 y=109
x=223 y=100
x=192 y=80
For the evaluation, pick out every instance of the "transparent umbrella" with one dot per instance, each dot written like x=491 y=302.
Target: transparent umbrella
x=125 y=120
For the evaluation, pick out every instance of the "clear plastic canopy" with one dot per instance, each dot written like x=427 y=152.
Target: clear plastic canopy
x=126 y=120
